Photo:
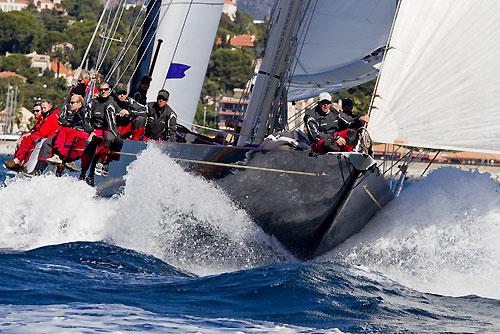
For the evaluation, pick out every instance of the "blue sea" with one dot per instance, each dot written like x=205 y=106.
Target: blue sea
x=173 y=254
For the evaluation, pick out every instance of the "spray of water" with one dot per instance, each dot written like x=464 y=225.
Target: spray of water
x=48 y=210
x=440 y=236
x=175 y=216
x=187 y=221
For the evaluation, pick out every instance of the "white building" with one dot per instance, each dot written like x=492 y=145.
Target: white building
x=42 y=62
x=10 y=5
x=46 y=4
x=229 y=8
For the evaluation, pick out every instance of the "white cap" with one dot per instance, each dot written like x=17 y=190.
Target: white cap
x=324 y=96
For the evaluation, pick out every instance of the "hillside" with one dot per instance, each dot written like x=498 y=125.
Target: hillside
x=259 y=9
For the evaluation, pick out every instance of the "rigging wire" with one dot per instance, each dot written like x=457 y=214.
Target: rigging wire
x=112 y=31
x=92 y=39
x=138 y=48
x=239 y=113
x=128 y=42
x=103 y=41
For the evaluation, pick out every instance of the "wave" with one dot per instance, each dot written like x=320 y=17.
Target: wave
x=165 y=212
x=96 y=284
x=439 y=236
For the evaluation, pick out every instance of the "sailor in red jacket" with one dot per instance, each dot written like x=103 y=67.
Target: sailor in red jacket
x=47 y=127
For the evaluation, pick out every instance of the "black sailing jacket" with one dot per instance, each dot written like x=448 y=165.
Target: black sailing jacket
x=134 y=108
x=101 y=114
x=75 y=120
x=322 y=125
x=161 y=123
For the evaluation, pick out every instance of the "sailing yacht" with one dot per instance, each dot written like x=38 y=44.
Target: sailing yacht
x=309 y=202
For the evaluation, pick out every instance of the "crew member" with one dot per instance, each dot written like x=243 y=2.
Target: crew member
x=162 y=120
x=331 y=130
x=69 y=141
x=46 y=128
x=131 y=119
x=101 y=113
x=141 y=94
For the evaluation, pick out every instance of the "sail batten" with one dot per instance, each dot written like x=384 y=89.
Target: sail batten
x=440 y=83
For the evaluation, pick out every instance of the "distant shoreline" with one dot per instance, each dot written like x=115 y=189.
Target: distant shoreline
x=417 y=168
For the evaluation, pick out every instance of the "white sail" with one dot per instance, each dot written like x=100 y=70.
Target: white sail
x=188 y=30
x=337 y=45
x=440 y=82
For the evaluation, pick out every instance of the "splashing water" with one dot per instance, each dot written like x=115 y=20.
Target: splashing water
x=439 y=236
x=187 y=221
x=48 y=210
x=164 y=211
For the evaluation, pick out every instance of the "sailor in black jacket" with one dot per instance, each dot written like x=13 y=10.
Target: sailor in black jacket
x=131 y=117
x=101 y=113
x=331 y=130
x=162 y=120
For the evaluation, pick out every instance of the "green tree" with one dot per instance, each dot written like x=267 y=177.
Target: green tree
x=229 y=68
x=83 y=9
x=360 y=96
x=19 y=64
x=20 y=31
x=210 y=88
x=210 y=118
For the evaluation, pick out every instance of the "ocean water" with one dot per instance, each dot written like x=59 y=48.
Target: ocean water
x=173 y=254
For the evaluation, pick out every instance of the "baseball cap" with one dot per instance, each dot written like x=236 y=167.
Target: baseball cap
x=324 y=96
x=163 y=93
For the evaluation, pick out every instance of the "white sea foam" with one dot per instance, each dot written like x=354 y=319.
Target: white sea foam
x=115 y=318
x=439 y=236
x=187 y=221
x=164 y=211
x=48 y=210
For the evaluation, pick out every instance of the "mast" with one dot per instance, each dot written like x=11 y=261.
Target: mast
x=269 y=91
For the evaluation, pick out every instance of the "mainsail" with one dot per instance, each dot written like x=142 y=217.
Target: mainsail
x=439 y=85
x=342 y=45
x=187 y=29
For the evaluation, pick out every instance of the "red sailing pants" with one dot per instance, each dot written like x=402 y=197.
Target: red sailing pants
x=70 y=142
x=318 y=147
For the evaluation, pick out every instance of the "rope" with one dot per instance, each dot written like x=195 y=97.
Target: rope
x=99 y=54
x=220 y=164
x=147 y=46
x=199 y=126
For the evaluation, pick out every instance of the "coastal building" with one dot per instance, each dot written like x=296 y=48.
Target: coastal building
x=61 y=71
x=41 y=62
x=243 y=40
x=229 y=8
x=64 y=47
x=47 y=4
x=228 y=110
x=240 y=40
x=12 y=75
x=9 y=122
x=10 y=5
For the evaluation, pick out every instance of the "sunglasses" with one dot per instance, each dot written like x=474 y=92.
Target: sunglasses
x=73 y=102
x=161 y=98
x=104 y=89
x=121 y=93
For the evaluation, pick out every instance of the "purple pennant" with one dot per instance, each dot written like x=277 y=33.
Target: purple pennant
x=177 y=71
